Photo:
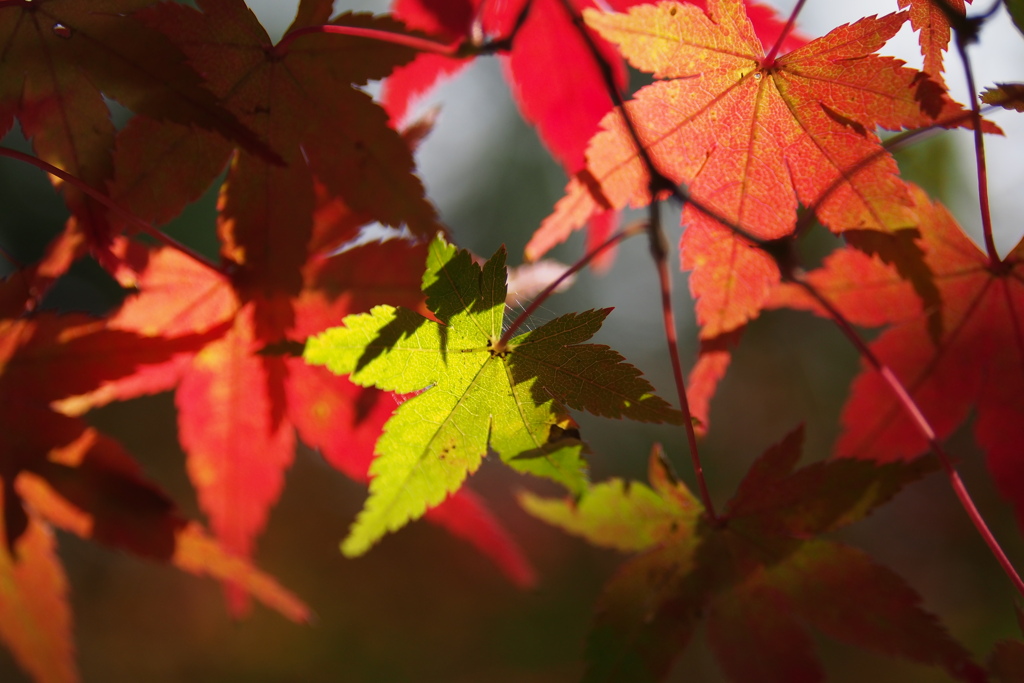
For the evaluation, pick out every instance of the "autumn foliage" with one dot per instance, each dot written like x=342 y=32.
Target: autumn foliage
x=399 y=361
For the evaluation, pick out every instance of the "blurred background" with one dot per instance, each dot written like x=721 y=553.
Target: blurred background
x=425 y=607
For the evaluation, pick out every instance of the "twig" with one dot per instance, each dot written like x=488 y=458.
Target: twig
x=659 y=183
x=460 y=50
x=404 y=39
x=923 y=426
x=106 y=201
x=769 y=60
x=628 y=231
x=659 y=252
x=979 y=152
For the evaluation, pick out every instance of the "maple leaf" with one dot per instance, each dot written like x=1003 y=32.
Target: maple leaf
x=92 y=488
x=123 y=510
x=35 y=619
x=933 y=31
x=59 y=59
x=1005 y=95
x=751 y=140
x=448 y=20
x=982 y=312
x=303 y=97
x=46 y=358
x=757 y=576
x=481 y=394
x=564 y=104
x=54 y=468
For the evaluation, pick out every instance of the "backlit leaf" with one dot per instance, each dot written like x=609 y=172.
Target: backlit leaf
x=982 y=310
x=933 y=31
x=1005 y=95
x=478 y=394
x=751 y=140
x=35 y=619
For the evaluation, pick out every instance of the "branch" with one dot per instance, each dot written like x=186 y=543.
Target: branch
x=404 y=39
x=979 y=150
x=628 y=231
x=923 y=426
x=769 y=60
x=659 y=183
x=659 y=252
x=106 y=201
x=470 y=47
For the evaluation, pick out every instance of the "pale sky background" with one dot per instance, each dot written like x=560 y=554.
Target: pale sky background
x=472 y=107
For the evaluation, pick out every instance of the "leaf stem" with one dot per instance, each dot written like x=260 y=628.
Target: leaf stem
x=404 y=39
x=659 y=183
x=769 y=59
x=979 y=153
x=923 y=426
x=463 y=49
x=628 y=231
x=106 y=201
x=659 y=252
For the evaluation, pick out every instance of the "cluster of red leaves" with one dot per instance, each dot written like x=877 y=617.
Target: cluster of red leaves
x=752 y=131
x=310 y=160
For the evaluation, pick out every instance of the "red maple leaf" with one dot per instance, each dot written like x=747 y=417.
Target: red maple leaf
x=982 y=318
x=43 y=359
x=302 y=96
x=60 y=58
x=564 y=104
x=752 y=140
x=56 y=469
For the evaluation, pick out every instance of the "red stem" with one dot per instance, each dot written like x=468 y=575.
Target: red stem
x=671 y=337
x=628 y=231
x=106 y=201
x=979 y=155
x=658 y=183
x=923 y=426
x=769 y=60
x=403 y=39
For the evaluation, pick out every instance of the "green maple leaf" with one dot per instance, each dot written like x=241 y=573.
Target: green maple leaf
x=511 y=399
x=756 y=577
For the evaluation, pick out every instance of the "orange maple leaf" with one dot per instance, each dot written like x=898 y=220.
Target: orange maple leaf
x=933 y=31
x=751 y=139
x=35 y=619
